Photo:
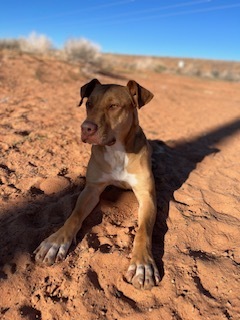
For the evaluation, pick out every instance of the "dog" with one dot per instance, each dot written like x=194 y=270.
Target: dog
x=121 y=156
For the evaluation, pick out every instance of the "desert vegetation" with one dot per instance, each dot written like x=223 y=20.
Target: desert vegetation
x=34 y=43
x=85 y=51
x=81 y=49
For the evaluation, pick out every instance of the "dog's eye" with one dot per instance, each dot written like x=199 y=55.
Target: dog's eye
x=114 y=106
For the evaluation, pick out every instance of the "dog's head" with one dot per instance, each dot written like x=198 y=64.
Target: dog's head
x=111 y=110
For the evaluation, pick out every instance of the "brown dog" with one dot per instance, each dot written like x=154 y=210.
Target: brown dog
x=120 y=156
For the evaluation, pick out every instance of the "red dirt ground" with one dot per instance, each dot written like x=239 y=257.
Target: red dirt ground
x=194 y=128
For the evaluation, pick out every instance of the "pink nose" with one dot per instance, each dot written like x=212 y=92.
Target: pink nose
x=88 y=128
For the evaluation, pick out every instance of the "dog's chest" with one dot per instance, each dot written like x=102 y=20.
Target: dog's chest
x=117 y=159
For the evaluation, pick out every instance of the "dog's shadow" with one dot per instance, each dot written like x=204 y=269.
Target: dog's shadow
x=172 y=164
x=23 y=228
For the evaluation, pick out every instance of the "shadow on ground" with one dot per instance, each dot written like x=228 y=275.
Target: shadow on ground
x=172 y=164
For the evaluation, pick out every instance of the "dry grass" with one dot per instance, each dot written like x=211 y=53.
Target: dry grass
x=81 y=50
x=9 y=44
x=35 y=43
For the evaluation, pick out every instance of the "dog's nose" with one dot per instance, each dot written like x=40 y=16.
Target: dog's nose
x=89 y=128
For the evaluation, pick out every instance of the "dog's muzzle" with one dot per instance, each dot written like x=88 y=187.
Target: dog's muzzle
x=90 y=134
x=88 y=129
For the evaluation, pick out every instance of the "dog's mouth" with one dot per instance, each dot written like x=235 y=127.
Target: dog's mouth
x=94 y=140
x=112 y=142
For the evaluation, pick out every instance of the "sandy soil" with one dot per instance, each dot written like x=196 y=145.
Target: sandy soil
x=194 y=128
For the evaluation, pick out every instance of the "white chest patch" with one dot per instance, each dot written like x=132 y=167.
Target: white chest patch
x=117 y=158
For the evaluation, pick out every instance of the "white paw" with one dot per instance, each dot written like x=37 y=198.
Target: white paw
x=49 y=251
x=143 y=276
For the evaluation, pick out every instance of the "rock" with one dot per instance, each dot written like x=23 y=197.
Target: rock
x=54 y=184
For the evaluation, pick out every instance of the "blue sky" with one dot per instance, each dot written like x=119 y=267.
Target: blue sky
x=177 y=28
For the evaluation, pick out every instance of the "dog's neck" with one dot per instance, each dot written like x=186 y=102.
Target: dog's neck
x=135 y=138
x=132 y=142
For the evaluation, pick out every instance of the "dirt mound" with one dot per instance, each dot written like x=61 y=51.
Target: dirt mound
x=194 y=127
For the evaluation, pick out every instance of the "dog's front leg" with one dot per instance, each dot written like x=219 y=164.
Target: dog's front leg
x=143 y=272
x=55 y=247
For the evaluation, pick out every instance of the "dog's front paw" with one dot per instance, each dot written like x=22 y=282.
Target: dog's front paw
x=143 y=275
x=53 y=249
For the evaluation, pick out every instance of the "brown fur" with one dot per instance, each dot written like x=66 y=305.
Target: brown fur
x=120 y=156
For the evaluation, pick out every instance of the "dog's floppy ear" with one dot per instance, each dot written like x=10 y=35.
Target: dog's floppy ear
x=87 y=89
x=141 y=96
